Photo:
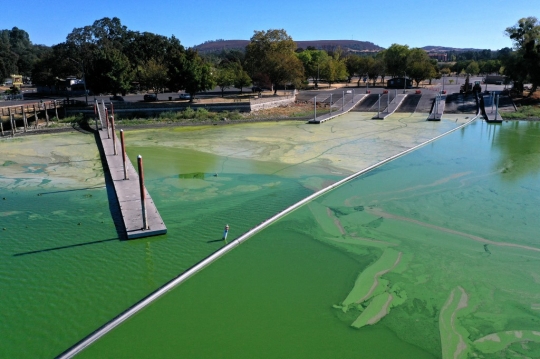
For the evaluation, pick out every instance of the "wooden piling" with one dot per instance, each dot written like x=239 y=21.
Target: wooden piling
x=143 y=195
x=2 y=127
x=46 y=114
x=56 y=111
x=123 y=154
x=107 y=124
x=12 y=122
x=36 y=118
x=114 y=135
x=25 y=123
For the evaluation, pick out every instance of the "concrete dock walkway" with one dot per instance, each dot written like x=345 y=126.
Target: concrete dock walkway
x=438 y=108
x=391 y=108
x=128 y=190
x=349 y=104
x=490 y=109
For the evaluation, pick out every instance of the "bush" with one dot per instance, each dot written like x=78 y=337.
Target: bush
x=523 y=112
x=188 y=113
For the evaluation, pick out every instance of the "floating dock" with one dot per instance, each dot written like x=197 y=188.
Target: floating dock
x=391 y=108
x=128 y=190
x=490 y=109
x=437 y=110
x=347 y=106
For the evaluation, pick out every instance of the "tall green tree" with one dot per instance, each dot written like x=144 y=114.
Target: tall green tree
x=419 y=66
x=334 y=69
x=396 y=59
x=224 y=78
x=313 y=60
x=526 y=37
x=271 y=54
x=8 y=58
x=194 y=74
x=377 y=67
x=473 y=68
x=241 y=78
x=153 y=75
x=110 y=72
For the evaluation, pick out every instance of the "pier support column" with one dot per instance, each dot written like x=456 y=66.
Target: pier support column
x=123 y=153
x=11 y=122
x=113 y=135
x=46 y=114
x=143 y=195
x=35 y=117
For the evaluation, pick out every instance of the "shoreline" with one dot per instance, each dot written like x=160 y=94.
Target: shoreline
x=187 y=123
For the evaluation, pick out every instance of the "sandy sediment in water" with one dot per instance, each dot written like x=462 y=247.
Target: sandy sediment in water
x=344 y=145
x=61 y=160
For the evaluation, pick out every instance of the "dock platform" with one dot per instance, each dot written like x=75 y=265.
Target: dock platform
x=391 y=108
x=128 y=191
x=437 y=110
x=355 y=99
x=490 y=112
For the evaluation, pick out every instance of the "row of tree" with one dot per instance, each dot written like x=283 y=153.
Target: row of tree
x=114 y=59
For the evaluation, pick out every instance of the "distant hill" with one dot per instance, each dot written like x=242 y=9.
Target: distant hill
x=328 y=45
x=346 y=45
x=448 y=49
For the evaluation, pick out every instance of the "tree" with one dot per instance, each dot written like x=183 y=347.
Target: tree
x=334 y=69
x=272 y=53
x=194 y=74
x=396 y=59
x=110 y=72
x=420 y=66
x=224 y=78
x=8 y=59
x=526 y=37
x=241 y=78
x=377 y=67
x=154 y=75
x=175 y=60
x=312 y=61
x=473 y=68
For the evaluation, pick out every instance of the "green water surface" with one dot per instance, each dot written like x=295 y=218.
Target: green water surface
x=433 y=255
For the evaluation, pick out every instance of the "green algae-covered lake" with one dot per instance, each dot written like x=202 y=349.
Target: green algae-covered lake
x=434 y=254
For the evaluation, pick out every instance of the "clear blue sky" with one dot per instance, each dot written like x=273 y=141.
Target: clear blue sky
x=417 y=23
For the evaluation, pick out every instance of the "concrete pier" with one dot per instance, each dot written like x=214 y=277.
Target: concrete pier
x=128 y=191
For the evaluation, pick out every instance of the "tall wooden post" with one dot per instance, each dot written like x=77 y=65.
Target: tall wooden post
x=113 y=135
x=56 y=111
x=143 y=195
x=36 y=118
x=12 y=122
x=25 y=124
x=2 y=127
x=107 y=123
x=46 y=114
x=123 y=154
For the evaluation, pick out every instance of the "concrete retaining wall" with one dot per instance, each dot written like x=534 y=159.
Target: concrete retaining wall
x=155 y=109
x=262 y=104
